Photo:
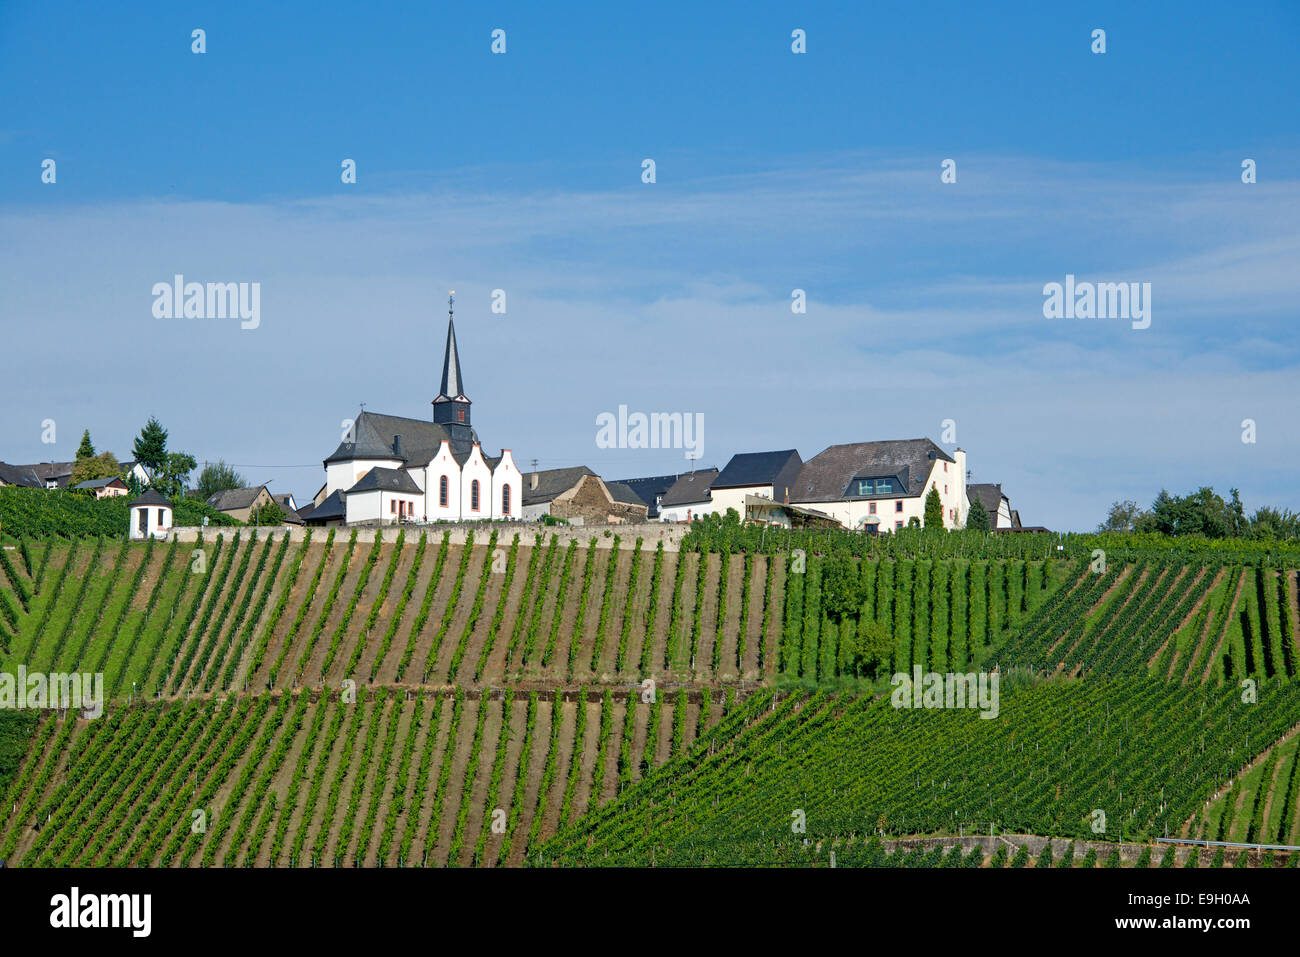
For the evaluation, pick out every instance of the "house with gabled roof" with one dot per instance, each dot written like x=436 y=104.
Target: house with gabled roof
x=103 y=487
x=996 y=503
x=881 y=486
x=240 y=503
x=769 y=475
x=689 y=497
x=448 y=477
x=579 y=496
x=21 y=476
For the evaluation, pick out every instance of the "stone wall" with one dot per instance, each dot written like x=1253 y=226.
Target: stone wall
x=650 y=532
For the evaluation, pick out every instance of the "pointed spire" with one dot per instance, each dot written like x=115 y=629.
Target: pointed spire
x=452 y=385
x=451 y=406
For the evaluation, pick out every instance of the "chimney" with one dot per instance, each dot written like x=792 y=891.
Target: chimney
x=787 y=495
x=397 y=447
x=532 y=481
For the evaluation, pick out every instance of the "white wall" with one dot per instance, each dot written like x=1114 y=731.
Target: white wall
x=725 y=498
x=475 y=470
x=677 y=513
x=443 y=464
x=951 y=483
x=344 y=475
x=155 y=527
x=507 y=474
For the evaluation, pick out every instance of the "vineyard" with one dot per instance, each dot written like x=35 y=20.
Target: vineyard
x=1143 y=752
x=394 y=779
x=47 y=513
x=256 y=614
x=347 y=701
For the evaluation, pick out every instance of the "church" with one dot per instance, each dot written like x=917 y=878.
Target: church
x=390 y=468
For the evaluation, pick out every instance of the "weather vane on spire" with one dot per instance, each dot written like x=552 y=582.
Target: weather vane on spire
x=451 y=301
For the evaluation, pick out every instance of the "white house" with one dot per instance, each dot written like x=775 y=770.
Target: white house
x=390 y=468
x=996 y=503
x=151 y=516
x=689 y=497
x=770 y=475
x=881 y=486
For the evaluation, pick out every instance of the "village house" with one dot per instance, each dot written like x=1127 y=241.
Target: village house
x=20 y=476
x=649 y=490
x=996 y=503
x=103 y=487
x=688 y=498
x=881 y=486
x=581 y=497
x=240 y=503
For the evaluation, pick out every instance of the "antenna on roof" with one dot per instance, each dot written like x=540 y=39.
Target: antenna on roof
x=691 y=457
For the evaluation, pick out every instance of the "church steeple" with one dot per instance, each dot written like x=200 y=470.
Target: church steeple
x=452 y=405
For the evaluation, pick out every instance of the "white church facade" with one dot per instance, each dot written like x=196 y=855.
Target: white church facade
x=391 y=469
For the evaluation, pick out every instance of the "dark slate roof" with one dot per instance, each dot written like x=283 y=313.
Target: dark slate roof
x=760 y=468
x=826 y=477
x=621 y=493
x=305 y=512
x=989 y=495
x=375 y=433
x=329 y=509
x=453 y=386
x=690 y=488
x=58 y=472
x=648 y=489
x=151 y=497
x=282 y=499
x=234 y=498
x=100 y=483
x=385 y=480
x=551 y=482
x=21 y=475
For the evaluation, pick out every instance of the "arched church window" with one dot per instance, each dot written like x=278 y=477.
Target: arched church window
x=473 y=495
x=505 y=499
x=442 y=491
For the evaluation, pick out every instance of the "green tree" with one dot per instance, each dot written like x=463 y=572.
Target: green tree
x=842 y=588
x=977 y=519
x=85 y=450
x=150 y=448
x=1122 y=517
x=94 y=467
x=870 y=649
x=268 y=514
x=933 y=508
x=173 y=475
x=218 y=477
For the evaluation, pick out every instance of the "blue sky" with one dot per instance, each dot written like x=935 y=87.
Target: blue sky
x=775 y=171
